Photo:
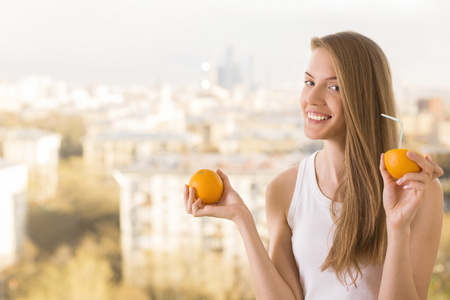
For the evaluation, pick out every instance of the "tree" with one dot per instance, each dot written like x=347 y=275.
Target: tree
x=84 y=274
x=85 y=190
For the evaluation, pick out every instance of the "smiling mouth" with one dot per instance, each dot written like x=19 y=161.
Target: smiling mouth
x=317 y=117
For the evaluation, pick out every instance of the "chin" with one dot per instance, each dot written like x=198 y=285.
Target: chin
x=313 y=136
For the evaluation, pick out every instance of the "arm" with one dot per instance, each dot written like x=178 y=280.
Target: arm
x=278 y=199
x=414 y=210
x=269 y=281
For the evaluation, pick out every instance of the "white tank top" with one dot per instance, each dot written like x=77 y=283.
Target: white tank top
x=312 y=235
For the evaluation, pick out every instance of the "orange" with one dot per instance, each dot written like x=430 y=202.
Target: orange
x=208 y=185
x=398 y=164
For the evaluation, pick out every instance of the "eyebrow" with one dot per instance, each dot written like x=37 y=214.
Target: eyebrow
x=329 y=78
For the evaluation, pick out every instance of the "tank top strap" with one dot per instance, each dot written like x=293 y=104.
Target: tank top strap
x=302 y=169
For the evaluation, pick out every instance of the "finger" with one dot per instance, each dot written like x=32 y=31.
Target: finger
x=185 y=195
x=415 y=185
x=197 y=206
x=205 y=210
x=191 y=200
x=384 y=172
x=226 y=181
x=437 y=171
x=421 y=161
x=410 y=177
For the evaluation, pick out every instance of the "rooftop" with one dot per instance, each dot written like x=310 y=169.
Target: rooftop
x=5 y=164
x=29 y=133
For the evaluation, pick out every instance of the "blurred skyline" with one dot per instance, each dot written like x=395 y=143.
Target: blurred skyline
x=140 y=42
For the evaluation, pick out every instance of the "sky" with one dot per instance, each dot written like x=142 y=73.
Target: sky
x=142 y=41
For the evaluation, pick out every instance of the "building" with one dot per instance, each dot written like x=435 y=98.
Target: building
x=13 y=199
x=9 y=97
x=39 y=150
x=121 y=135
x=229 y=73
x=120 y=148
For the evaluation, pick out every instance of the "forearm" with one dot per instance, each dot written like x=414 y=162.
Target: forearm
x=397 y=281
x=268 y=283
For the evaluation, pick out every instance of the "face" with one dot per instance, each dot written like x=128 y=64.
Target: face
x=321 y=101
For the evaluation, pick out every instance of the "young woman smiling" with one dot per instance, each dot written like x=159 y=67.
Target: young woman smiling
x=340 y=226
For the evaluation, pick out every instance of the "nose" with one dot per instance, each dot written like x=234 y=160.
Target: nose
x=314 y=96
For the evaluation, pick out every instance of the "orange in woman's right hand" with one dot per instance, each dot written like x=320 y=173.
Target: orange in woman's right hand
x=398 y=164
x=230 y=205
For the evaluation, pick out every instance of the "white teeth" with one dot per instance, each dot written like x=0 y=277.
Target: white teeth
x=317 y=118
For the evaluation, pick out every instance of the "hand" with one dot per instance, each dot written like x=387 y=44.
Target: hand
x=230 y=205
x=402 y=197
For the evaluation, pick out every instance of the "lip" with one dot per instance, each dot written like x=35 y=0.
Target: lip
x=318 y=114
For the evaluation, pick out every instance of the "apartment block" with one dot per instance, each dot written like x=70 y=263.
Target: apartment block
x=39 y=150
x=117 y=149
x=13 y=197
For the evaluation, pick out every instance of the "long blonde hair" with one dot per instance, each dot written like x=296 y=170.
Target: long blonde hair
x=365 y=84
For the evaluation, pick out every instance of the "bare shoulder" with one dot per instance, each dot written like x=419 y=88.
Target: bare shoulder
x=281 y=189
x=436 y=192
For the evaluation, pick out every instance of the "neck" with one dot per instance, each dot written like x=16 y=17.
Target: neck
x=333 y=156
x=328 y=166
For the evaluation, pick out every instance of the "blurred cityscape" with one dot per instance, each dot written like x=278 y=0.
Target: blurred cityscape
x=91 y=180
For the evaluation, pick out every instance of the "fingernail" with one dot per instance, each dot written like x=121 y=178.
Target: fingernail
x=406 y=187
x=428 y=158
x=400 y=181
x=410 y=154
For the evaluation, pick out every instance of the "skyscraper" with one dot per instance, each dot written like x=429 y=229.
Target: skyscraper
x=229 y=73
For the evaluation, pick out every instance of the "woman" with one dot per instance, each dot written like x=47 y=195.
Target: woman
x=340 y=226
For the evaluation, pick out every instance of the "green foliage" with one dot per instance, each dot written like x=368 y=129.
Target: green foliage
x=195 y=274
x=48 y=229
x=86 y=190
x=127 y=292
x=84 y=200
x=85 y=274
x=71 y=128
x=88 y=270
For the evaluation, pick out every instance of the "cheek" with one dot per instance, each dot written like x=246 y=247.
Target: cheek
x=341 y=123
x=337 y=107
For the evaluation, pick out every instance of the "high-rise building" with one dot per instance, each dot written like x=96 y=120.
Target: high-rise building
x=251 y=73
x=229 y=73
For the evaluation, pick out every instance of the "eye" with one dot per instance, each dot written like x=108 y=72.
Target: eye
x=335 y=88
x=309 y=82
